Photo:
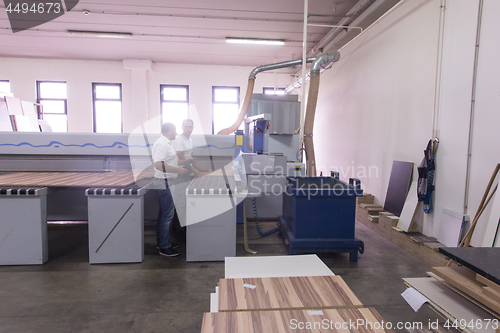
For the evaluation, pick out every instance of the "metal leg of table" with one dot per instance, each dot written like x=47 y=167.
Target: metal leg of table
x=23 y=226
x=116 y=227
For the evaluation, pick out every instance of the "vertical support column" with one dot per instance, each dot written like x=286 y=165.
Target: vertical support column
x=139 y=92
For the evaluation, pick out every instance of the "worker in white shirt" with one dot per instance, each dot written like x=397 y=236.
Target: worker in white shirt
x=183 y=145
x=166 y=171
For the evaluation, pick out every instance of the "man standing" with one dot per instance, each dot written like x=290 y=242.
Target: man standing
x=183 y=145
x=166 y=170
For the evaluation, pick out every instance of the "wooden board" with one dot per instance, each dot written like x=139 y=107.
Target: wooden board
x=288 y=321
x=423 y=239
x=491 y=293
x=68 y=179
x=434 y=246
x=399 y=184
x=463 y=279
x=5 y=121
x=449 y=303
x=488 y=282
x=14 y=105
x=23 y=123
x=275 y=266
x=407 y=215
x=286 y=293
x=450 y=228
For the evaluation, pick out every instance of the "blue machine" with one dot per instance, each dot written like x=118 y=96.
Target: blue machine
x=319 y=215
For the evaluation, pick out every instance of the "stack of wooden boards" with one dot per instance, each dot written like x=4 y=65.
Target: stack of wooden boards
x=385 y=223
x=285 y=304
x=478 y=279
x=17 y=115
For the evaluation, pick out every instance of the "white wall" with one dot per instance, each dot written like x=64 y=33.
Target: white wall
x=79 y=75
x=376 y=104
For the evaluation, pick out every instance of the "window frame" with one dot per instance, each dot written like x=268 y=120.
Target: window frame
x=162 y=100
x=95 y=99
x=264 y=89
x=39 y=101
x=214 y=102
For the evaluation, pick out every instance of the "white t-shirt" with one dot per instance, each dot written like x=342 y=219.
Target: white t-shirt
x=182 y=143
x=163 y=150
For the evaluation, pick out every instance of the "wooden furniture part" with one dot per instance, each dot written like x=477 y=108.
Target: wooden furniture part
x=288 y=321
x=464 y=279
x=451 y=305
x=68 y=179
x=286 y=293
x=423 y=239
x=482 y=260
x=488 y=283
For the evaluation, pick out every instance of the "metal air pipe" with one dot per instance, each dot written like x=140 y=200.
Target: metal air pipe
x=251 y=82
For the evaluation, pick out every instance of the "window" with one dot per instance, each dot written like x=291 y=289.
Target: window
x=174 y=104
x=52 y=96
x=107 y=99
x=272 y=91
x=225 y=106
x=4 y=88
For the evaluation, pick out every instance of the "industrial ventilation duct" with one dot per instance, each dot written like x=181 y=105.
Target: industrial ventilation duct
x=319 y=63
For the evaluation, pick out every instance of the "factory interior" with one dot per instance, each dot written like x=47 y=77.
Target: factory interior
x=333 y=165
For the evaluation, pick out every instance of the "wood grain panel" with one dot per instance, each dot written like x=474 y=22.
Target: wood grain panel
x=464 y=279
x=491 y=293
x=288 y=321
x=68 y=179
x=286 y=293
x=488 y=282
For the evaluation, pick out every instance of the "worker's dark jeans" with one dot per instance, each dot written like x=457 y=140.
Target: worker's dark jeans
x=165 y=215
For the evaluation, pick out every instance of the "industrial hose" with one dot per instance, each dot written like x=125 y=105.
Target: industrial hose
x=243 y=109
x=255 y=215
x=309 y=124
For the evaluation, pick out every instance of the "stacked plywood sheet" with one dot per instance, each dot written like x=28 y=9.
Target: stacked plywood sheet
x=292 y=321
x=368 y=212
x=367 y=198
x=477 y=287
x=286 y=293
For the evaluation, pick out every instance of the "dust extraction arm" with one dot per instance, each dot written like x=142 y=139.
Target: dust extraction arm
x=251 y=82
x=322 y=61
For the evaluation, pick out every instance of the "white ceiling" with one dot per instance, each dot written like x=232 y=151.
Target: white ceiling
x=192 y=31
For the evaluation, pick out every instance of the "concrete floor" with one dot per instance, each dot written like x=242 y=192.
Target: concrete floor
x=67 y=294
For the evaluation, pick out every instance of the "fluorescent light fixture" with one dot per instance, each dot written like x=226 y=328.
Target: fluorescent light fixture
x=236 y=40
x=105 y=34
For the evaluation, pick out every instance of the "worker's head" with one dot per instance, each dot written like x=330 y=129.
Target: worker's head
x=168 y=130
x=187 y=127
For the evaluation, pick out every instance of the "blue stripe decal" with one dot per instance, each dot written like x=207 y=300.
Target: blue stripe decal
x=57 y=144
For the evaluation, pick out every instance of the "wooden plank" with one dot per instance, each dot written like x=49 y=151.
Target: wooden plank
x=373 y=218
x=397 y=189
x=434 y=246
x=488 y=282
x=451 y=304
x=410 y=207
x=286 y=293
x=288 y=321
x=423 y=239
x=463 y=279
x=491 y=293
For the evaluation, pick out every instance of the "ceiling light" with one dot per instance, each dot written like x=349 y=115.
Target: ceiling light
x=255 y=41
x=105 y=34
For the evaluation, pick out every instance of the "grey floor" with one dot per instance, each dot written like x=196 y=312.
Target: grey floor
x=161 y=294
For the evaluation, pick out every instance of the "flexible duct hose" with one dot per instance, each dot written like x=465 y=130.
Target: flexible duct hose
x=309 y=124
x=243 y=109
x=256 y=216
x=322 y=61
